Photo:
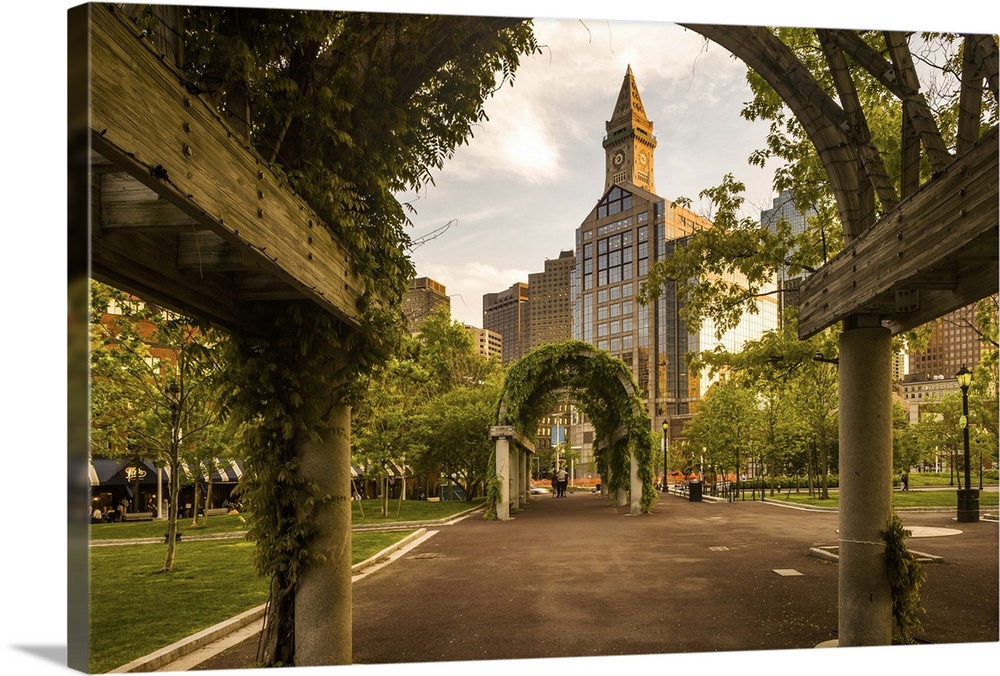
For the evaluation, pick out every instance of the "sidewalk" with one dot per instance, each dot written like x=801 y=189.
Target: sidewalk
x=579 y=577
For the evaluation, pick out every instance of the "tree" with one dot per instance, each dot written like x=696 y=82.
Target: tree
x=447 y=351
x=354 y=108
x=387 y=425
x=458 y=443
x=724 y=428
x=938 y=429
x=152 y=388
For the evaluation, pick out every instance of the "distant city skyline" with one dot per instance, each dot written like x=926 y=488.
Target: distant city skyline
x=516 y=193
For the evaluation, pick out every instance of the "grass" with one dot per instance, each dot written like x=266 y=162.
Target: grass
x=136 y=610
x=409 y=510
x=900 y=499
x=214 y=525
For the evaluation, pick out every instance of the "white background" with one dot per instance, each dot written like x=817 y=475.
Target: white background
x=33 y=605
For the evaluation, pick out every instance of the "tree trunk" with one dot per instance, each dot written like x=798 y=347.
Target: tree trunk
x=175 y=491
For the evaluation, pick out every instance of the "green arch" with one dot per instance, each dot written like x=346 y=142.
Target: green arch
x=605 y=391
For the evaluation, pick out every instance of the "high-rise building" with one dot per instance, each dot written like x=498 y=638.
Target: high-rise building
x=783 y=209
x=487 y=343
x=423 y=297
x=506 y=313
x=954 y=342
x=626 y=232
x=550 y=308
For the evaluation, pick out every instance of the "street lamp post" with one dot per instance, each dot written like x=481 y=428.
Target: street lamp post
x=968 y=497
x=666 y=436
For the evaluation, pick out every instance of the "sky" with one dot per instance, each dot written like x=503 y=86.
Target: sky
x=540 y=153
x=516 y=193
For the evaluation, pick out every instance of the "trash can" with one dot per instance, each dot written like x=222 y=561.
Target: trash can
x=694 y=491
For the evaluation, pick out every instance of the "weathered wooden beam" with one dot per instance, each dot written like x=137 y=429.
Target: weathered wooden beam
x=949 y=224
x=204 y=251
x=848 y=94
x=821 y=117
x=919 y=112
x=970 y=100
x=143 y=118
x=987 y=58
x=134 y=263
x=900 y=78
x=127 y=203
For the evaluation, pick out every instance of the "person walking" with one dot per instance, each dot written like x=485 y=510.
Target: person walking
x=562 y=477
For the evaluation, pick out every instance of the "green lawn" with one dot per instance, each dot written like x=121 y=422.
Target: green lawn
x=136 y=610
x=943 y=479
x=900 y=499
x=125 y=530
x=409 y=510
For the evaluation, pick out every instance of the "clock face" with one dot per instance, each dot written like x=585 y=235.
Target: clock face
x=643 y=159
x=618 y=158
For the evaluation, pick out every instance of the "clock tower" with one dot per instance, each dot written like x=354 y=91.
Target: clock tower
x=629 y=142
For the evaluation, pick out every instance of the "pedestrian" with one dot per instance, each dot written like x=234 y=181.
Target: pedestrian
x=906 y=481
x=555 y=485
x=562 y=477
x=122 y=509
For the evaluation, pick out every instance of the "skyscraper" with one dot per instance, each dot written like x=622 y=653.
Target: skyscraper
x=954 y=342
x=550 y=308
x=487 y=343
x=505 y=312
x=783 y=209
x=423 y=297
x=624 y=234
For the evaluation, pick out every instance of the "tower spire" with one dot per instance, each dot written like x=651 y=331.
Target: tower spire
x=629 y=142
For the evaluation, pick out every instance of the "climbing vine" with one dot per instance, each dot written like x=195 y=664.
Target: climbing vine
x=906 y=575
x=282 y=383
x=354 y=109
x=605 y=391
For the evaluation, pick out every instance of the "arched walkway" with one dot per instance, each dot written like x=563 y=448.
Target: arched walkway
x=605 y=391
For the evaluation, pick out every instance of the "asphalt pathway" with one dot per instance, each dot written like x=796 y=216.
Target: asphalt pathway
x=578 y=576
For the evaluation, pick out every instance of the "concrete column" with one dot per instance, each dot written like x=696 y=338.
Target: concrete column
x=515 y=478
x=865 y=603
x=323 y=596
x=503 y=474
x=525 y=478
x=635 y=504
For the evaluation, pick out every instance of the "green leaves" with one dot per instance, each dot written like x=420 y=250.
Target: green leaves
x=597 y=382
x=906 y=575
x=720 y=271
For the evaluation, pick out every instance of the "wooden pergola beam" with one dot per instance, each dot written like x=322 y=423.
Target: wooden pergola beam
x=826 y=123
x=204 y=177
x=947 y=231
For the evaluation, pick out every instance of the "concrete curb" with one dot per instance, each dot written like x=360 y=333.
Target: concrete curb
x=175 y=651
x=172 y=652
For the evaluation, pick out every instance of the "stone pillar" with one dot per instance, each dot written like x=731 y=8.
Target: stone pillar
x=515 y=478
x=503 y=474
x=865 y=603
x=525 y=478
x=323 y=596
x=635 y=483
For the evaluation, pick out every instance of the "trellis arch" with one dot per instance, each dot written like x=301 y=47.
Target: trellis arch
x=606 y=392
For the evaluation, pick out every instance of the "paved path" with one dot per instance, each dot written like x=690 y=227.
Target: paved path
x=579 y=577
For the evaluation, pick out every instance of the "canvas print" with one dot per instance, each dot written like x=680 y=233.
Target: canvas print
x=407 y=338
